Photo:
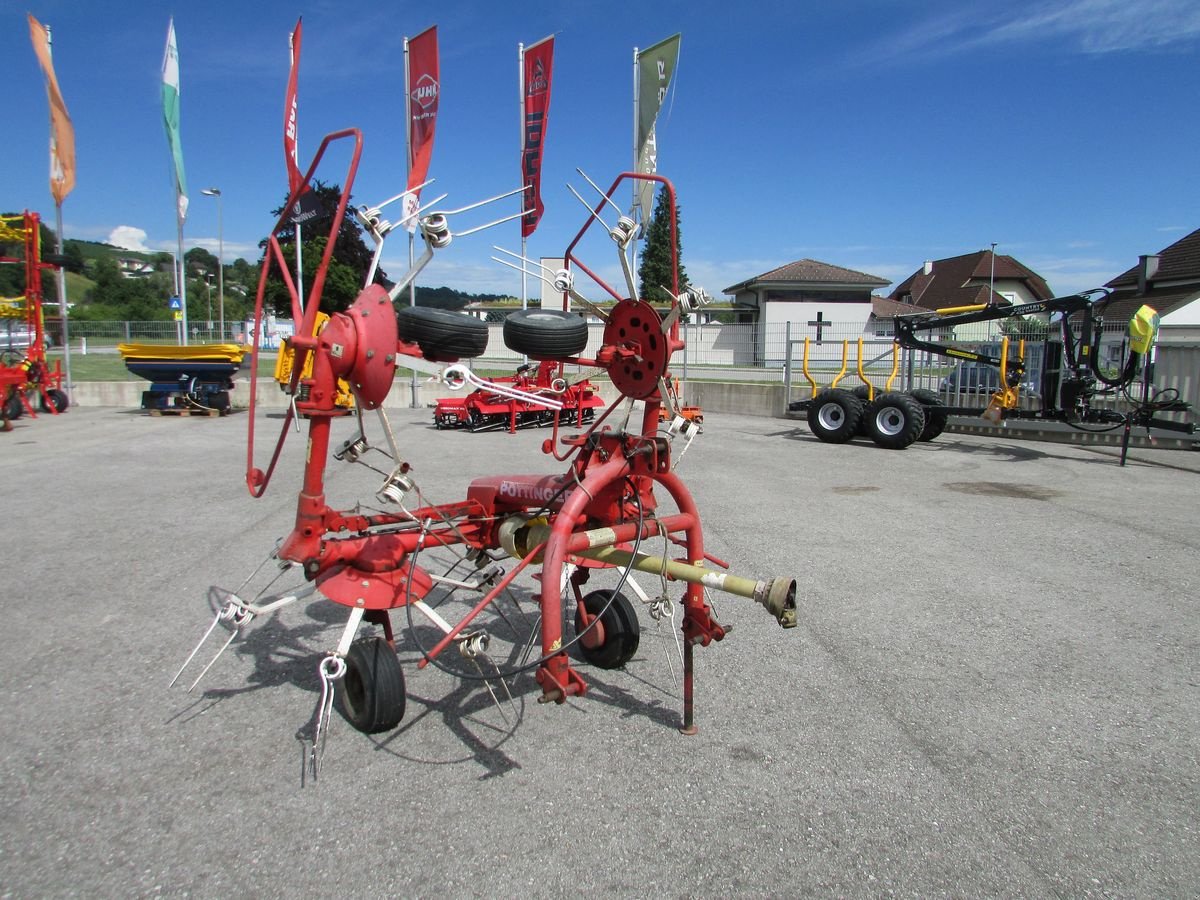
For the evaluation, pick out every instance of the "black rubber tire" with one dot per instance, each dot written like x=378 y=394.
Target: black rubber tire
x=834 y=414
x=12 y=407
x=894 y=420
x=218 y=400
x=545 y=333
x=57 y=398
x=935 y=419
x=443 y=335
x=621 y=630
x=371 y=694
x=862 y=392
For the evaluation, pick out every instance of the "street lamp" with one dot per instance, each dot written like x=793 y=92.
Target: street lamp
x=216 y=192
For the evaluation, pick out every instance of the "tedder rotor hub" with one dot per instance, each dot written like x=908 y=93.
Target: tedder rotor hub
x=640 y=349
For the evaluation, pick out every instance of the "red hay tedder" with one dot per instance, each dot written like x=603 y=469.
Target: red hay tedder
x=527 y=572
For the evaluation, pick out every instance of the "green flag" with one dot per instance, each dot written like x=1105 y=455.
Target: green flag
x=170 y=97
x=655 y=66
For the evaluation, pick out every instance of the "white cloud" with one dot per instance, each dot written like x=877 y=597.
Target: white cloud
x=128 y=238
x=1086 y=26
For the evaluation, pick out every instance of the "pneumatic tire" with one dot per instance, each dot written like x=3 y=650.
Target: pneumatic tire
x=935 y=419
x=442 y=335
x=372 y=695
x=894 y=420
x=545 y=333
x=834 y=414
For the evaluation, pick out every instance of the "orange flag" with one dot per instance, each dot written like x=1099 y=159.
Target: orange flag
x=62 y=133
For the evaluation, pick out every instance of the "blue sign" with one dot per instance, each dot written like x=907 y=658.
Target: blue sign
x=175 y=304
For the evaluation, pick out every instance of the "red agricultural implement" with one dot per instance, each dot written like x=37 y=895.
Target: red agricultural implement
x=527 y=573
x=25 y=373
x=516 y=402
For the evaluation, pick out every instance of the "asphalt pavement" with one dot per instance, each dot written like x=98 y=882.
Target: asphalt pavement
x=992 y=691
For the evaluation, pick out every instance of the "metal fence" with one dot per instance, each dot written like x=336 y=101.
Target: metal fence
x=773 y=354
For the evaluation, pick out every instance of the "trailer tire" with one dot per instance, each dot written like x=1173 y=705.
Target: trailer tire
x=442 y=335
x=621 y=630
x=834 y=414
x=935 y=419
x=372 y=695
x=894 y=420
x=545 y=333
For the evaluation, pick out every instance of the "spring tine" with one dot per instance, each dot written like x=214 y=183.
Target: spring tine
x=451 y=212
x=196 y=649
x=237 y=629
x=490 y=224
x=595 y=215
x=598 y=191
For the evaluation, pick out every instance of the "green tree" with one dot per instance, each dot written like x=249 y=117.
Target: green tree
x=654 y=272
x=349 y=263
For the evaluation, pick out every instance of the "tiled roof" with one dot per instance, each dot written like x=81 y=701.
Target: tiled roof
x=810 y=271
x=962 y=281
x=1178 y=267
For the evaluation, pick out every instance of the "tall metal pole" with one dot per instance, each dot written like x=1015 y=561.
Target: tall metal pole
x=60 y=277
x=520 y=155
x=182 y=277
x=299 y=239
x=636 y=159
x=216 y=192
x=412 y=234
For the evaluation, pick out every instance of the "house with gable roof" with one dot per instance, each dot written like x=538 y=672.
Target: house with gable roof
x=810 y=294
x=1168 y=281
x=980 y=278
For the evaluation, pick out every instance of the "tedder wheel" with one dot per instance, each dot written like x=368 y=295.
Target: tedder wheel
x=443 y=335
x=372 y=695
x=545 y=333
x=834 y=414
x=620 y=630
x=894 y=420
x=935 y=419
x=57 y=398
x=12 y=406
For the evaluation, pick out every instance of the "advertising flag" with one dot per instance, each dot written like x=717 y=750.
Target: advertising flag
x=170 y=98
x=291 y=150
x=535 y=115
x=62 y=132
x=655 y=67
x=423 y=92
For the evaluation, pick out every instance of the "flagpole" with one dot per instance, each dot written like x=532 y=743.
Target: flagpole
x=636 y=183
x=299 y=239
x=182 y=277
x=60 y=276
x=521 y=150
x=408 y=162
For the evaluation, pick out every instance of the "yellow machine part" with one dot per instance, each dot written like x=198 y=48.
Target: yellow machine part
x=1143 y=328
x=286 y=359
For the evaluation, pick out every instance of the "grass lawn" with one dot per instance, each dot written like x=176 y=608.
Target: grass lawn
x=110 y=366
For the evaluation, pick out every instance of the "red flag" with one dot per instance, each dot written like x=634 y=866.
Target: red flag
x=423 y=91
x=539 y=60
x=291 y=151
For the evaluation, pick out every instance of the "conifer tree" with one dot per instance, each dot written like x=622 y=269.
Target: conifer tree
x=654 y=271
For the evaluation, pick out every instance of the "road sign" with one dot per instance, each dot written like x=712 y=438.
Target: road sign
x=175 y=304
x=178 y=316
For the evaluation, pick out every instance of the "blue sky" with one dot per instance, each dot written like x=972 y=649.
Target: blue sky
x=868 y=134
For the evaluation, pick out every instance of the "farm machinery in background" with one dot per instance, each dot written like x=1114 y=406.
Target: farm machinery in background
x=514 y=402
x=1074 y=386
x=24 y=368
x=528 y=573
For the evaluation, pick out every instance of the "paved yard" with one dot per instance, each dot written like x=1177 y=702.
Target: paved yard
x=994 y=688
